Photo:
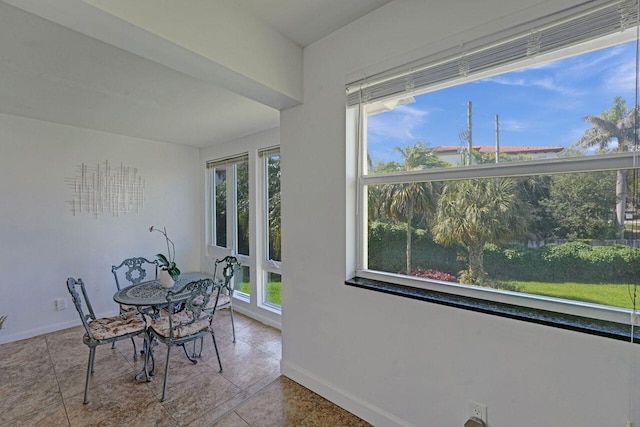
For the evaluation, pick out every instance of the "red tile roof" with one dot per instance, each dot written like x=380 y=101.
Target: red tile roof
x=507 y=149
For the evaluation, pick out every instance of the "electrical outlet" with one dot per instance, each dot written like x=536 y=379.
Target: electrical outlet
x=478 y=410
x=60 y=304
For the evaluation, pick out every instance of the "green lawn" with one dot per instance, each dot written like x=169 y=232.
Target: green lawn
x=616 y=295
x=274 y=291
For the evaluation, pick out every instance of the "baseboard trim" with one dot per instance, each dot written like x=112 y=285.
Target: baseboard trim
x=37 y=331
x=363 y=409
x=257 y=316
x=54 y=327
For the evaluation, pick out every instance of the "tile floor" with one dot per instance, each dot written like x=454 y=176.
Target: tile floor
x=42 y=384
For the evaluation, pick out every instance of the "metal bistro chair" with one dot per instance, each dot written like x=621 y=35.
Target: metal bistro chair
x=138 y=269
x=230 y=263
x=103 y=330
x=187 y=320
x=226 y=292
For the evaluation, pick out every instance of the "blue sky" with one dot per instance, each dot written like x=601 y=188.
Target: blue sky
x=542 y=105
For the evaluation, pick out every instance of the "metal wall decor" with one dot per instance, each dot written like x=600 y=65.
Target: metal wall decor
x=104 y=189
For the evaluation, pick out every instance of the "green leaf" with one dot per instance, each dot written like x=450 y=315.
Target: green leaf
x=163 y=260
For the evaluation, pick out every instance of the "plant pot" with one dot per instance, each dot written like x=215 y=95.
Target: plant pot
x=166 y=281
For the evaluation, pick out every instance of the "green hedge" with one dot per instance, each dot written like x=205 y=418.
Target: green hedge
x=387 y=247
x=573 y=261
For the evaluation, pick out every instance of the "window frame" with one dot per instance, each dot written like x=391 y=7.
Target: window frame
x=357 y=125
x=232 y=229
x=267 y=265
x=255 y=262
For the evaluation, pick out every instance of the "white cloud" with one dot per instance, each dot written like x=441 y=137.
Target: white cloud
x=398 y=124
x=547 y=83
x=623 y=78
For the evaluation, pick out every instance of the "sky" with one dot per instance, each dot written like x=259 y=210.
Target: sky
x=543 y=105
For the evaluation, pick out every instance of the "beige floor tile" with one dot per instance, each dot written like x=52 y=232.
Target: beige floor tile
x=115 y=402
x=18 y=400
x=111 y=365
x=282 y=403
x=232 y=420
x=189 y=398
x=43 y=384
x=328 y=414
x=51 y=416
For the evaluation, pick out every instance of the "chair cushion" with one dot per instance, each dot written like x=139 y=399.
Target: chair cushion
x=111 y=327
x=222 y=300
x=124 y=308
x=181 y=325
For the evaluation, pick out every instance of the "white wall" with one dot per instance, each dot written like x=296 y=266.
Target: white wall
x=42 y=242
x=397 y=361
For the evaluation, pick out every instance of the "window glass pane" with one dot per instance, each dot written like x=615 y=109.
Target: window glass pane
x=242 y=197
x=242 y=279
x=556 y=235
x=544 y=111
x=220 y=206
x=273 y=289
x=273 y=207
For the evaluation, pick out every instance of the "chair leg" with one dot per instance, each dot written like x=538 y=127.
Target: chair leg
x=135 y=351
x=216 y=348
x=233 y=326
x=194 y=349
x=92 y=353
x=166 y=375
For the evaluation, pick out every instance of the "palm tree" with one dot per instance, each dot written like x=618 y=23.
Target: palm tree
x=616 y=124
x=406 y=201
x=476 y=212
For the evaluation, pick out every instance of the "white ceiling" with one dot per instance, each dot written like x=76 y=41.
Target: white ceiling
x=306 y=21
x=52 y=73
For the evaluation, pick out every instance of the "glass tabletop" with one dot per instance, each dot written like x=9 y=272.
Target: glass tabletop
x=152 y=293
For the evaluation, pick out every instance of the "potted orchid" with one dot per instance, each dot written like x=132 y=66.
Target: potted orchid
x=169 y=271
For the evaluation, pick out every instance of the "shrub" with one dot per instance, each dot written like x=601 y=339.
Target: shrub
x=432 y=274
x=576 y=261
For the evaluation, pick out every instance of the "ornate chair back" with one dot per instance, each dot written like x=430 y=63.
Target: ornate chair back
x=223 y=273
x=134 y=271
x=72 y=285
x=190 y=317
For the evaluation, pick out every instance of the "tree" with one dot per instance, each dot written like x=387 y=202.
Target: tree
x=619 y=125
x=407 y=201
x=274 y=199
x=476 y=212
x=581 y=205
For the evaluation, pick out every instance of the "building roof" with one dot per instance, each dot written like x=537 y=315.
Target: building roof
x=506 y=149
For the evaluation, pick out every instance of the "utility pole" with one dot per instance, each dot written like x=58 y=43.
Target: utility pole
x=469 y=139
x=497 y=140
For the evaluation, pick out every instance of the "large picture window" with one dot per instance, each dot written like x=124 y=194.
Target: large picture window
x=272 y=291
x=509 y=171
x=230 y=212
x=244 y=221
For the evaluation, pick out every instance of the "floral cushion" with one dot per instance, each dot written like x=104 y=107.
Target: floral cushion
x=111 y=327
x=181 y=325
x=124 y=308
x=222 y=300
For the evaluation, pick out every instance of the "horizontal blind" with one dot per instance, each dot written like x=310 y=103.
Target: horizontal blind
x=227 y=161
x=270 y=151
x=570 y=27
